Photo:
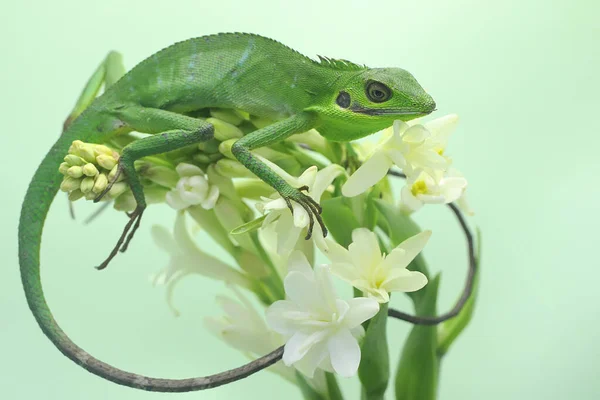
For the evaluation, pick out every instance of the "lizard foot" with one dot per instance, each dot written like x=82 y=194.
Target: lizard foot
x=312 y=208
x=132 y=225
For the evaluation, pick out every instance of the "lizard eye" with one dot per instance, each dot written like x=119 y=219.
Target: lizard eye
x=377 y=92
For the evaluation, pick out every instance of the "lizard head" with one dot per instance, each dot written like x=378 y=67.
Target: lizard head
x=366 y=101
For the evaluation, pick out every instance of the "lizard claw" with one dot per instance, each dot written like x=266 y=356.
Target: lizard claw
x=132 y=225
x=312 y=208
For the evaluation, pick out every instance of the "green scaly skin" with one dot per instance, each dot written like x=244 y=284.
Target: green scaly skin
x=237 y=71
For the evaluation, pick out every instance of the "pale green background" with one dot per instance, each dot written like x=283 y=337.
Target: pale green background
x=523 y=76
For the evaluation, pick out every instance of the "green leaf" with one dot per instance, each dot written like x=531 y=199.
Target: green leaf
x=417 y=375
x=332 y=387
x=374 y=369
x=249 y=226
x=340 y=220
x=451 y=329
x=308 y=392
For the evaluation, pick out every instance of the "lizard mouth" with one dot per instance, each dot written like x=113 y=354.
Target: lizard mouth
x=390 y=111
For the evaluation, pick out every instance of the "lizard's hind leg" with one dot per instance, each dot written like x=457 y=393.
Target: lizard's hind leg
x=171 y=131
x=110 y=70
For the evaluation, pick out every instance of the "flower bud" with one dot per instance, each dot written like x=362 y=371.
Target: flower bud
x=69 y=184
x=75 y=172
x=75 y=195
x=106 y=161
x=83 y=150
x=224 y=130
x=161 y=175
x=202 y=158
x=63 y=168
x=225 y=148
x=90 y=169
x=101 y=149
x=87 y=184
x=233 y=169
x=117 y=189
x=227 y=115
x=100 y=183
x=125 y=202
x=72 y=159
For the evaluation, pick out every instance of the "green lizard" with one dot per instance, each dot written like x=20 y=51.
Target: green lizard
x=342 y=100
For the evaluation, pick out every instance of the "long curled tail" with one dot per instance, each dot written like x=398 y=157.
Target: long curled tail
x=39 y=197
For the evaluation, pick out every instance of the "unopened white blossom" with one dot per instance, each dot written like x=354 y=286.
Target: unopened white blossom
x=413 y=148
x=322 y=330
x=192 y=189
x=187 y=259
x=424 y=189
x=376 y=274
x=289 y=226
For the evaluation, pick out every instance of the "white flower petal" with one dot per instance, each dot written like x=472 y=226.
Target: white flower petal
x=298 y=262
x=163 y=239
x=371 y=172
x=175 y=201
x=302 y=290
x=405 y=281
x=364 y=248
x=324 y=179
x=211 y=199
x=412 y=247
x=344 y=353
x=185 y=170
x=361 y=309
x=312 y=359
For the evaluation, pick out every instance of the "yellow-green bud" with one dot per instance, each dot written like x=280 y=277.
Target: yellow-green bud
x=90 y=169
x=227 y=115
x=68 y=184
x=125 y=202
x=117 y=189
x=161 y=175
x=233 y=169
x=225 y=148
x=91 y=195
x=72 y=159
x=83 y=150
x=113 y=173
x=101 y=149
x=75 y=195
x=63 y=168
x=87 y=184
x=225 y=130
x=75 y=172
x=100 y=183
x=202 y=158
x=106 y=161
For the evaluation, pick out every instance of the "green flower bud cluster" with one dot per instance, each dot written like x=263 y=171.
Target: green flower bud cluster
x=87 y=170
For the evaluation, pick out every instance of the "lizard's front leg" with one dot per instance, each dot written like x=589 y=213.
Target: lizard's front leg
x=271 y=134
x=172 y=131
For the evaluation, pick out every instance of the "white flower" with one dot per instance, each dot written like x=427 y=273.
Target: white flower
x=322 y=329
x=244 y=328
x=192 y=189
x=186 y=259
x=413 y=148
x=425 y=190
x=461 y=202
x=375 y=274
x=287 y=226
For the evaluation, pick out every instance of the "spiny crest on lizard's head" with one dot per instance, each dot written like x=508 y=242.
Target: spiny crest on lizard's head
x=340 y=64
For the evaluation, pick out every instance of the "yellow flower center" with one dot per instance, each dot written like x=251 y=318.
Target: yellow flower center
x=419 y=187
